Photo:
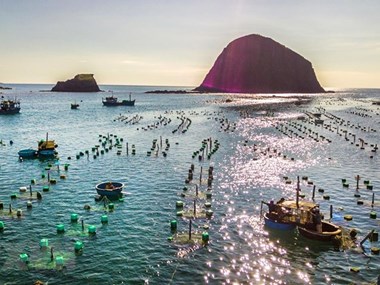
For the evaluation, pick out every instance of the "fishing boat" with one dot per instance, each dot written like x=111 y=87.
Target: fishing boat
x=74 y=106
x=273 y=222
x=113 y=101
x=288 y=214
x=9 y=107
x=28 y=153
x=46 y=148
x=329 y=232
x=109 y=189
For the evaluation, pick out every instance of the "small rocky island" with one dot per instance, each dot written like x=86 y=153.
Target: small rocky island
x=80 y=83
x=256 y=64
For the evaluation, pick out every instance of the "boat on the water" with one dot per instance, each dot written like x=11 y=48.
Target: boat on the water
x=110 y=189
x=28 y=153
x=288 y=214
x=9 y=107
x=274 y=223
x=113 y=101
x=46 y=149
x=74 y=106
x=329 y=232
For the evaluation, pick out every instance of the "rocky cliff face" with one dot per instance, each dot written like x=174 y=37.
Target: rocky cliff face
x=80 y=83
x=256 y=64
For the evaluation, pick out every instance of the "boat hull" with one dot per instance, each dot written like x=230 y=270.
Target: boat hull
x=278 y=225
x=122 y=103
x=115 y=192
x=10 y=111
x=27 y=153
x=329 y=232
x=46 y=153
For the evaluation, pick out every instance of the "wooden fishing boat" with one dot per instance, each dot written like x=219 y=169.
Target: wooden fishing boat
x=278 y=224
x=288 y=214
x=113 y=101
x=9 y=107
x=109 y=189
x=329 y=232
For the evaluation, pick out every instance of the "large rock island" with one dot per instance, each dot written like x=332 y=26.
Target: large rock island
x=80 y=83
x=256 y=64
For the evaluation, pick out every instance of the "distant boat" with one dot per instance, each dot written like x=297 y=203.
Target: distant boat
x=113 y=101
x=9 y=107
x=329 y=232
x=109 y=189
x=74 y=106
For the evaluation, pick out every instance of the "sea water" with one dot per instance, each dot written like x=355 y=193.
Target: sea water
x=262 y=140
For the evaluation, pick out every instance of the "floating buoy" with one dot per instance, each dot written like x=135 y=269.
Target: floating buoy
x=373 y=215
x=104 y=219
x=209 y=213
x=59 y=260
x=1 y=226
x=33 y=181
x=344 y=180
x=91 y=230
x=326 y=197
x=66 y=166
x=360 y=202
x=24 y=257
x=44 y=243
x=320 y=190
x=370 y=187
x=184 y=189
x=60 y=228
x=78 y=246
x=45 y=188
x=53 y=181
x=346 y=185
x=366 y=182
x=179 y=213
x=74 y=218
x=301 y=195
x=111 y=206
x=179 y=204
x=13 y=196
x=348 y=217
x=205 y=237
x=121 y=200
x=207 y=204
x=87 y=207
x=19 y=213
x=62 y=176
x=355 y=269
x=23 y=189
x=208 y=195
x=375 y=250
x=173 y=225
x=357 y=195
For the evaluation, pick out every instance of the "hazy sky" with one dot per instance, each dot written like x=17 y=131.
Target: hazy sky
x=175 y=42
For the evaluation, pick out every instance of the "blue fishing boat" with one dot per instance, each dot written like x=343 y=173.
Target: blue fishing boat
x=278 y=224
x=288 y=214
x=28 y=153
x=109 y=189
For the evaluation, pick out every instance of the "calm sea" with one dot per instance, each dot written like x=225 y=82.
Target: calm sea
x=261 y=140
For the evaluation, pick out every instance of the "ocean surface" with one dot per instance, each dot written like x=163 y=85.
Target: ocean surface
x=265 y=143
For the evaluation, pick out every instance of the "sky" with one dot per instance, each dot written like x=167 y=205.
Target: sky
x=175 y=43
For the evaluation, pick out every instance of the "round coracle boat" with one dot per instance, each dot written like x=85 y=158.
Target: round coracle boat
x=109 y=189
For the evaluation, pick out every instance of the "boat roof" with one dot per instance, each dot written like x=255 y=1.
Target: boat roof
x=292 y=204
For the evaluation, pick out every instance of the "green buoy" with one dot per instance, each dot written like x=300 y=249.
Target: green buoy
x=104 y=219
x=91 y=230
x=74 y=218
x=173 y=224
x=60 y=228
x=44 y=243
x=78 y=246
